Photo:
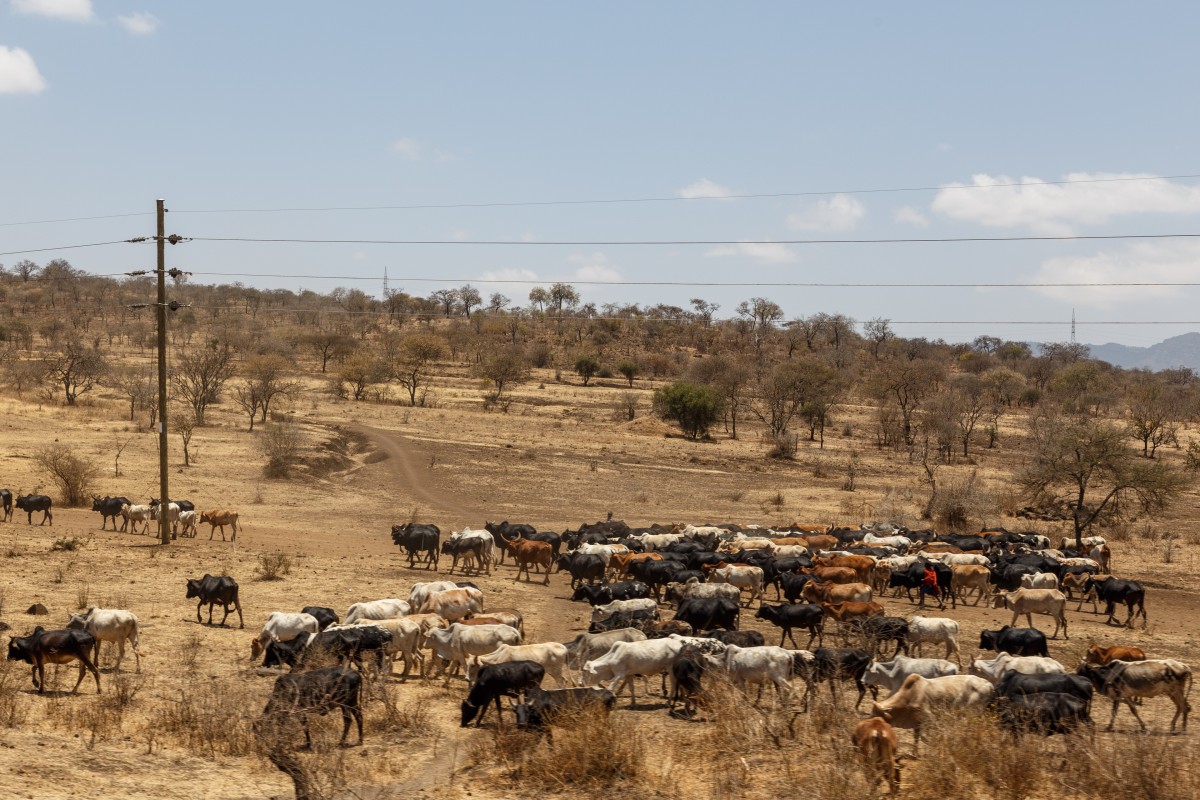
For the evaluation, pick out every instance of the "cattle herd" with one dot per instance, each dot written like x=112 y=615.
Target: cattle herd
x=668 y=601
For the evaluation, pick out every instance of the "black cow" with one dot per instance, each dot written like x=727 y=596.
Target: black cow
x=605 y=594
x=657 y=574
x=588 y=567
x=1015 y=641
x=792 y=584
x=542 y=707
x=325 y=616
x=686 y=672
x=417 y=539
x=706 y=613
x=348 y=645
x=108 y=507
x=1016 y=683
x=642 y=619
x=833 y=664
x=6 y=502
x=462 y=548
x=184 y=505
x=878 y=630
x=44 y=647
x=1045 y=713
x=912 y=577
x=321 y=690
x=795 y=615
x=1114 y=590
x=30 y=503
x=212 y=590
x=737 y=638
x=494 y=681
x=1008 y=578
x=286 y=654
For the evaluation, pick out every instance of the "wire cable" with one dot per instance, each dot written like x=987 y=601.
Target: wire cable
x=62 y=247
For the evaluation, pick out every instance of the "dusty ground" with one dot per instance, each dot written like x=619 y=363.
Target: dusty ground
x=556 y=459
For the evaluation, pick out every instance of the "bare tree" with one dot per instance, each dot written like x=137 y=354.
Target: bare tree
x=265 y=381
x=73 y=473
x=139 y=386
x=360 y=372
x=412 y=363
x=470 y=298
x=1154 y=412
x=200 y=375
x=184 y=423
x=117 y=458
x=76 y=367
x=329 y=346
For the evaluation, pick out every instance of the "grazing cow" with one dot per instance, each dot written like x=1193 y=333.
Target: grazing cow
x=283 y=627
x=1044 y=713
x=454 y=604
x=1112 y=591
x=629 y=659
x=760 y=666
x=108 y=507
x=1102 y=655
x=844 y=613
x=795 y=615
x=918 y=697
x=286 y=654
x=994 y=670
x=668 y=627
x=1123 y=681
x=212 y=590
x=131 y=515
x=454 y=646
x=588 y=567
x=551 y=655
x=30 y=503
x=1015 y=683
x=347 y=644
x=321 y=690
x=832 y=664
x=529 y=553
x=387 y=608
x=542 y=707
x=742 y=576
x=219 y=518
x=6 y=503
x=1015 y=641
x=878 y=630
x=817 y=592
x=109 y=625
x=418 y=540
x=1050 y=602
x=643 y=619
x=607 y=593
x=44 y=647
x=686 y=687
x=965 y=577
x=875 y=740
x=324 y=616
x=588 y=646
x=890 y=675
x=511 y=679
x=706 y=613
x=934 y=630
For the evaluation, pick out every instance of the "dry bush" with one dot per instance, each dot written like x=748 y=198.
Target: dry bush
x=281 y=443
x=784 y=446
x=74 y=475
x=206 y=719
x=13 y=680
x=962 y=504
x=273 y=566
x=81 y=596
x=409 y=718
x=68 y=545
x=1146 y=767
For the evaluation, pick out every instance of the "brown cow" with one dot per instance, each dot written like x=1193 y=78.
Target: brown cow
x=816 y=592
x=862 y=565
x=219 y=518
x=618 y=564
x=875 y=740
x=1102 y=655
x=844 y=612
x=834 y=574
x=809 y=528
x=526 y=553
x=815 y=543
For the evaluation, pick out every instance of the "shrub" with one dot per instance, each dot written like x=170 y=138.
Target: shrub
x=273 y=566
x=280 y=443
x=587 y=367
x=72 y=473
x=629 y=369
x=695 y=408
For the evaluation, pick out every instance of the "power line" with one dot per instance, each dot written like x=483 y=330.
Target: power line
x=611 y=201
x=683 y=242
x=62 y=247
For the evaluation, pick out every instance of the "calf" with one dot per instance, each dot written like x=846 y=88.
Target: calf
x=1123 y=681
x=1016 y=641
x=542 y=707
x=212 y=590
x=109 y=625
x=321 y=690
x=494 y=681
x=875 y=740
x=219 y=518
x=795 y=615
x=44 y=647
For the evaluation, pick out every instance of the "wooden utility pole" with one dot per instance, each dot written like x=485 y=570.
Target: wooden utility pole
x=164 y=527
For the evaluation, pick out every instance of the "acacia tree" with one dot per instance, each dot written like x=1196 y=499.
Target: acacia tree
x=201 y=374
x=76 y=367
x=412 y=361
x=731 y=379
x=1088 y=462
x=1154 y=410
x=329 y=345
x=587 y=367
x=506 y=366
x=470 y=298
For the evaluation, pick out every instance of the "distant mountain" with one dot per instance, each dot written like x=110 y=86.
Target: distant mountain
x=1178 y=351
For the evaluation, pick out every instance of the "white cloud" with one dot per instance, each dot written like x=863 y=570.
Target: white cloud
x=509 y=274
x=359 y=255
x=406 y=148
x=911 y=216
x=1150 y=262
x=18 y=73
x=838 y=213
x=598 y=273
x=1056 y=209
x=139 y=23
x=767 y=252
x=704 y=188
x=70 y=10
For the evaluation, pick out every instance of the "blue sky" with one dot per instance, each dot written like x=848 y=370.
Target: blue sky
x=105 y=106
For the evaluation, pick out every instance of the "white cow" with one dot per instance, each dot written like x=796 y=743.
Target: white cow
x=135 y=514
x=187 y=523
x=890 y=675
x=109 y=625
x=387 y=608
x=1050 y=602
x=283 y=626
x=934 y=630
x=418 y=596
x=628 y=659
x=551 y=655
x=1004 y=663
x=760 y=665
x=898 y=542
x=459 y=642
x=588 y=646
x=601 y=613
x=742 y=576
x=917 y=697
x=1039 y=580
x=455 y=604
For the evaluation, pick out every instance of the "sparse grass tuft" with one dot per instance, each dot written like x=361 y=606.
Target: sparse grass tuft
x=273 y=566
